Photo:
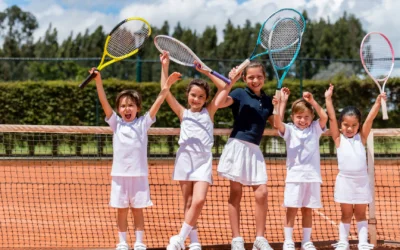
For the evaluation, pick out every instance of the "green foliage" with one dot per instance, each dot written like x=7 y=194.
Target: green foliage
x=63 y=103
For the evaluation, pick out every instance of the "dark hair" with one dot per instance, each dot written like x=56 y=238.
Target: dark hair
x=201 y=84
x=131 y=94
x=350 y=111
x=254 y=65
x=301 y=105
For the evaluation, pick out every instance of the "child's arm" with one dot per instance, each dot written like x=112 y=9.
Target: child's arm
x=172 y=102
x=366 y=128
x=323 y=117
x=285 y=92
x=102 y=94
x=174 y=77
x=222 y=100
x=333 y=125
x=277 y=122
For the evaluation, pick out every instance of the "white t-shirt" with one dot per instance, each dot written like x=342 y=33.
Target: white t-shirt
x=303 y=156
x=196 y=131
x=352 y=158
x=130 y=145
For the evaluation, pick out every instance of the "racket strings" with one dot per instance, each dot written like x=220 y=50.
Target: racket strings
x=128 y=37
x=284 y=13
x=177 y=52
x=284 y=42
x=378 y=56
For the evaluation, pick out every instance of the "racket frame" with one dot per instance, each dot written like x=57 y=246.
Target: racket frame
x=245 y=63
x=384 y=80
x=115 y=58
x=286 y=68
x=188 y=50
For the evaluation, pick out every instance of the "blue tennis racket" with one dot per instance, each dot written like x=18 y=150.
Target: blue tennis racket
x=284 y=46
x=265 y=31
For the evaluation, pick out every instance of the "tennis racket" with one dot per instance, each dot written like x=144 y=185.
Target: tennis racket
x=123 y=41
x=182 y=54
x=377 y=58
x=265 y=30
x=284 y=46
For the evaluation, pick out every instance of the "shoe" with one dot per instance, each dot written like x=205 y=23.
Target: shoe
x=365 y=246
x=122 y=246
x=176 y=243
x=195 y=246
x=288 y=245
x=261 y=244
x=341 y=245
x=307 y=246
x=237 y=244
x=139 y=246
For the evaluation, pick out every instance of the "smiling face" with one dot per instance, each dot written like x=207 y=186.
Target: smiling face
x=303 y=119
x=127 y=109
x=254 y=78
x=196 y=98
x=349 y=126
x=302 y=114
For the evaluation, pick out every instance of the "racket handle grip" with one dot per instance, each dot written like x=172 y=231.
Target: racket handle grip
x=241 y=67
x=88 y=79
x=278 y=96
x=223 y=78
x=384 y=110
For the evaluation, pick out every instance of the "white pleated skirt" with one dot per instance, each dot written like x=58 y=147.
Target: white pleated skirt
x=242 y=162
x=193 y=166
x=353 y=190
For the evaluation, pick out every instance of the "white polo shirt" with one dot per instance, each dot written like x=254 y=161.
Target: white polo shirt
x=130 y=145
x=303 y=156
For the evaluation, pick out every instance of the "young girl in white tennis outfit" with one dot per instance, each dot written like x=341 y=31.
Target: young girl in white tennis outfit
x=352 y=188
x=193 y=164
x=303 y=178
x=130 y=186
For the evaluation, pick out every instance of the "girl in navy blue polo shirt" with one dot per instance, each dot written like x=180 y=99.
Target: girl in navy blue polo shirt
x=241 y=161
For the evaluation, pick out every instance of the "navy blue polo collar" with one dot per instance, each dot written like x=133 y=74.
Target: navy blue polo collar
x=252 y=94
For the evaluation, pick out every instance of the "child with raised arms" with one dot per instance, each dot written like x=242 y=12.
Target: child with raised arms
x=352 y=188
x=130 y=186
x=193 y=164
x=242 y=161
x=303 y=178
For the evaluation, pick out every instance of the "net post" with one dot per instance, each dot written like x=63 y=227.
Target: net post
x=371 y=174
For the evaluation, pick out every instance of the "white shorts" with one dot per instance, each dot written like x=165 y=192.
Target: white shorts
x=193 y=166
x=353 y=190
x=130 y=192
x=302 y=194
x=243 y=162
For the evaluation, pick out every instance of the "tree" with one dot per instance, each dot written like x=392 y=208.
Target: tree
x=16 y=28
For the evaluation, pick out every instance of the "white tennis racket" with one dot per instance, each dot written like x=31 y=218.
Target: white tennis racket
x=182 y=54
x=377 y=58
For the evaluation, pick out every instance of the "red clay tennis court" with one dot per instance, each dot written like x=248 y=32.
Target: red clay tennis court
x=60 y=200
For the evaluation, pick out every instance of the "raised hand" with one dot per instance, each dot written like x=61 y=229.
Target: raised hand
x=285 y=92
x=329 y=91
x=380 y=97
x=173 y=78
x=164 y=59
x=234 y=75
x=308 y=97
x=98 y=75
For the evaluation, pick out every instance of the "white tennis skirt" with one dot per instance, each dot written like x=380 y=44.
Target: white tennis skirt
x=242 y=162
x=353 y=190
x=193 y=166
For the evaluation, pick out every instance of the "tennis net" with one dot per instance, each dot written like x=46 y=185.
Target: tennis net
x=55 y=184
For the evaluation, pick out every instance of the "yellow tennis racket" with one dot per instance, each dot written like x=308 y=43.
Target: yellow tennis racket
x=125 y=40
